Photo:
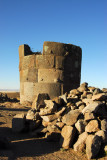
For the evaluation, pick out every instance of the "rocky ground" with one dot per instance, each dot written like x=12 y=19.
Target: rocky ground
x=23 y=146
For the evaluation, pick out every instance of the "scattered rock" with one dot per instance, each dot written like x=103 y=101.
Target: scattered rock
x=39 y=100
x=104 y=124
x=71 y=117
x=93 y=144
x=80 y=126
x=80 y=144
x=67 y=138
x=92 y=126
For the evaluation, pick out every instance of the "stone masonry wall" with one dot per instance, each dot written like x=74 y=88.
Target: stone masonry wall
x=56 y=71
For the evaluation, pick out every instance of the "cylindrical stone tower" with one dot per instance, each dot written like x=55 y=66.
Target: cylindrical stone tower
x=56 y=71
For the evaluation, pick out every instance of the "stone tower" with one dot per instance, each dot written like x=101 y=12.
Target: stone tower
x=56 y=71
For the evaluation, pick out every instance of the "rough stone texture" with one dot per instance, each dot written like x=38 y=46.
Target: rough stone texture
x=71 y=117
x=67 y=138
x=92 y=126
x=80 y=126
x=99 y=97
x=104 y=124
x=39 y=101
x=92 y=107
x=80 y=144
x=93 y=144
x=88 y=116
x=55 y=71
x=103 y=135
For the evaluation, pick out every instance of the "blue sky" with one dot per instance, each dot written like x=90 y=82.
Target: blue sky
x=79 y=22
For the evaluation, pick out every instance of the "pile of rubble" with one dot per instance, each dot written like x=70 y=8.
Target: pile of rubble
x=77 y=119
x=5 y=98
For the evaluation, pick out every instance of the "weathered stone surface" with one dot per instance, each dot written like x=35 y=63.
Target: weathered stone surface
x=103 y=135
x=45 y=61
x=104 y=124
x=30 y=114
x=49 y=118
x=74 y=92
x=50 y=72
x=71 y=117
x=92 y=107
x=67 y=134
x=93 y=144
x=50 y=75
x=52 y=89
x=99 y=97
x=92 y=126
x=58 y=101
x=97 y=91
x=88 y=116
x=80 y=144
x=60 y=62
x=39 y=100
x=49 y=108
x=80 y=126
x=87 y=101
x=53 y=128
x=64 y=97
x=60 y=124
x=18 y=123
x=83 y=87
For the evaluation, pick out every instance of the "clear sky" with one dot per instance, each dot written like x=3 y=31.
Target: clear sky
x=79 y=22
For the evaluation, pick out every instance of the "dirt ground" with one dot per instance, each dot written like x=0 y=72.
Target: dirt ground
x=24 y=147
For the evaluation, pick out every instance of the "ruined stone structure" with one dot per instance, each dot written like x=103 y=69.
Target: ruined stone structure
x=56 y=71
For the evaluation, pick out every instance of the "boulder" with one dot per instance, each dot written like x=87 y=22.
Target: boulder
x=39 y=101
x=100 y=97
x=88 y=116
x=49 y=118
x=30 y=114
x=92 y=107
x=104 y=124
x=53 y=128
x=71 y=117
x=68 y=134
x=93 y=144
x=83 y=87
x=80 y=144
x=18 y=123
x=103 y=135
x=80 y=126
x=50 y=108
x=92 y=126
x=64 y=97
x=97 y=91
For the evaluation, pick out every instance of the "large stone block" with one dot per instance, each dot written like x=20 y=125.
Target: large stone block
x=60 y=62
x=52 y=89
x=50 y=75
x=21 y=88
x=28 y=62
x=59 y=49
x=24 y=50
x=45 y=61
x=28 y=91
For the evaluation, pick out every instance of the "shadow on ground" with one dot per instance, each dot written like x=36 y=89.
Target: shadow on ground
x=22 y=145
